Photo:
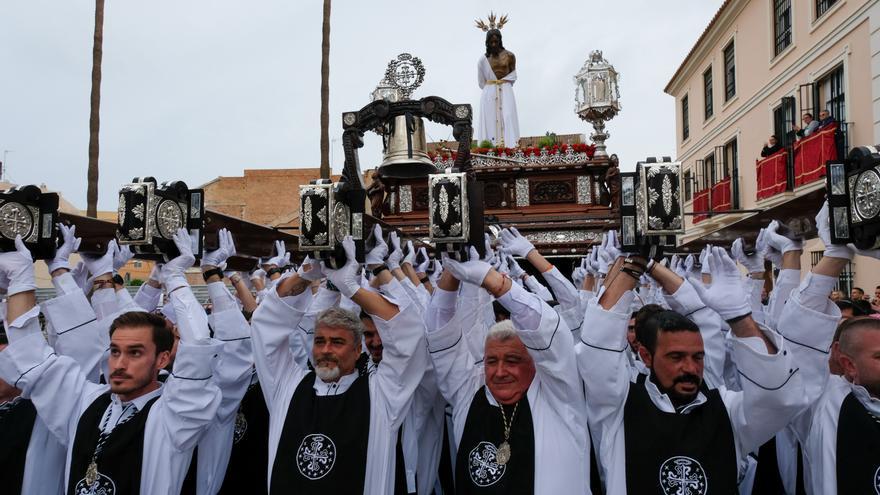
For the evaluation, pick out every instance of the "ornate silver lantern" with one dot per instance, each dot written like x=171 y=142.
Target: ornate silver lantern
x=651 y=210
x=597 y=97
x=150 y=214
x=28 y=212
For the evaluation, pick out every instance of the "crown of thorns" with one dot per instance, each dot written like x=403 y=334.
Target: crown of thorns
x=493 y=23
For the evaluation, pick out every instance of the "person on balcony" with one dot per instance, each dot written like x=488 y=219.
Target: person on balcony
x=771 y=147
x=825 y=119
x=810 y=126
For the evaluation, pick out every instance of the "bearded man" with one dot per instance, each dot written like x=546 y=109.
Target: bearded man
x=334 y=429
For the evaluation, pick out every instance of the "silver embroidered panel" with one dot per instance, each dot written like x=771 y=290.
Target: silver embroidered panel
x=564 y=236
x=522 y=192
x=169 y=218
x=406 y=198
x=341 y=221
x=584 y=190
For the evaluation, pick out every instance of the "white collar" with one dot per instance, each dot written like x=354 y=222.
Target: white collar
x=664 y=403
x=872 y=404
x=139 y=402
x=333 y=388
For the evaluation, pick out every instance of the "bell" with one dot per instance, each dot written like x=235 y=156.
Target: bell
x=406 y=154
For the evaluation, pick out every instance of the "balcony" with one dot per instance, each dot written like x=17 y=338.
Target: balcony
x=802 y=162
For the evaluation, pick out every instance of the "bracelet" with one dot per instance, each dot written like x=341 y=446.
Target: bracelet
x=273 y=271
x=632 y=273
x=633 y=261
x=379 y=269
x=424 y=280
x=210 y=273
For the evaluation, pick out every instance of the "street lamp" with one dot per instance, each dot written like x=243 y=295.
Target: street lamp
x=597 y=97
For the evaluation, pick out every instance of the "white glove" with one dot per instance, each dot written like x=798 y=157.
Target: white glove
x=410 y=255
x=824 y=227
x=726 y=294
x=281 y=258
x=99 y=265
x=396 y=255
x=377 y=255
x=122 y=256
x=592 y=264
x=513 y=268
x=311 y=270
x=258 y=274
x=219 y=256
x=172 y=274
x=577 y=277
x=689 y=266
x=752 y=263
x=780 y=242
x=515 y=243
x=503 y=267
x=762 y=245
x=704 y=260
x=438 y=270
x=80 y=275
x=347 y=279
x=423 y=266
x=68 y=246
x=490 y=256
x=609 y=251
x=18 y=268
x=473 y=272
x=677 y=266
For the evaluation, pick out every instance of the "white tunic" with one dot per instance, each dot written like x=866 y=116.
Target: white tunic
x=498 y=117
x=555 y=395
x=391 y=386
x=772 y=393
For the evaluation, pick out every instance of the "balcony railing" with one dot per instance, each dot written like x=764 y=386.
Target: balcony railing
x=803 y=162
x=701 y=204
x=721 y=194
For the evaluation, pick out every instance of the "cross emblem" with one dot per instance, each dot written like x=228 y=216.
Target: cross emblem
x=484 y=469
x=683 y=478
x=315 y=453
x=405 y=74
x=16 y=220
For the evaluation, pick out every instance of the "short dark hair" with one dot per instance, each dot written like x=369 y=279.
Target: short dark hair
x=774 y=137
x=162 y=336
x=847 y=328
x=642 y=315
x=3 y=339
x=859 y=289
x=808 y=114
x=664 y=321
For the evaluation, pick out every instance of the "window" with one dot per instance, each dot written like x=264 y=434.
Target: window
x=822 y=6
x=830 y=94
x=708 y=171
x=783 y=121
x=729 y=72
x=781 y=25
x=731 y=169
x=688 y=185
x=707 y=92
x=685 y=119
x=138 y=264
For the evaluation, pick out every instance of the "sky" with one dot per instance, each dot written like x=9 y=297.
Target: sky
x=197 y=89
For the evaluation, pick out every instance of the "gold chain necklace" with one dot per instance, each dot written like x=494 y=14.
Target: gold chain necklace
x=502 y=455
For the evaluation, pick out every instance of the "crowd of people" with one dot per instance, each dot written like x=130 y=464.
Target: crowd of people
x=407 y=374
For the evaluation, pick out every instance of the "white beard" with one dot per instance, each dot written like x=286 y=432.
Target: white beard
x=327 y=374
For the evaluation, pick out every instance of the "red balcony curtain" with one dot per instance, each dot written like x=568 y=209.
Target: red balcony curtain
x=721 y=195
x=701 y=203
x=771 y=175
x=811 y=153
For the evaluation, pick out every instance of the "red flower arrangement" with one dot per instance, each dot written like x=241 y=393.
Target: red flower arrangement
x=589 y=149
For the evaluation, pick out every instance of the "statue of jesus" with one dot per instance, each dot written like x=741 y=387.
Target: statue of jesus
x=496 y=73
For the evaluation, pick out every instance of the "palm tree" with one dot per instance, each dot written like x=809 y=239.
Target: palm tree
x=325 y=92
x=94 y=114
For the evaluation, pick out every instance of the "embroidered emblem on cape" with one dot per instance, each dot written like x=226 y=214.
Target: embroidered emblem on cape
x=101 y=486
x=315 y=456
x=682 y=475
x=483 y=465
x=877 y=481
x=241 y=426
